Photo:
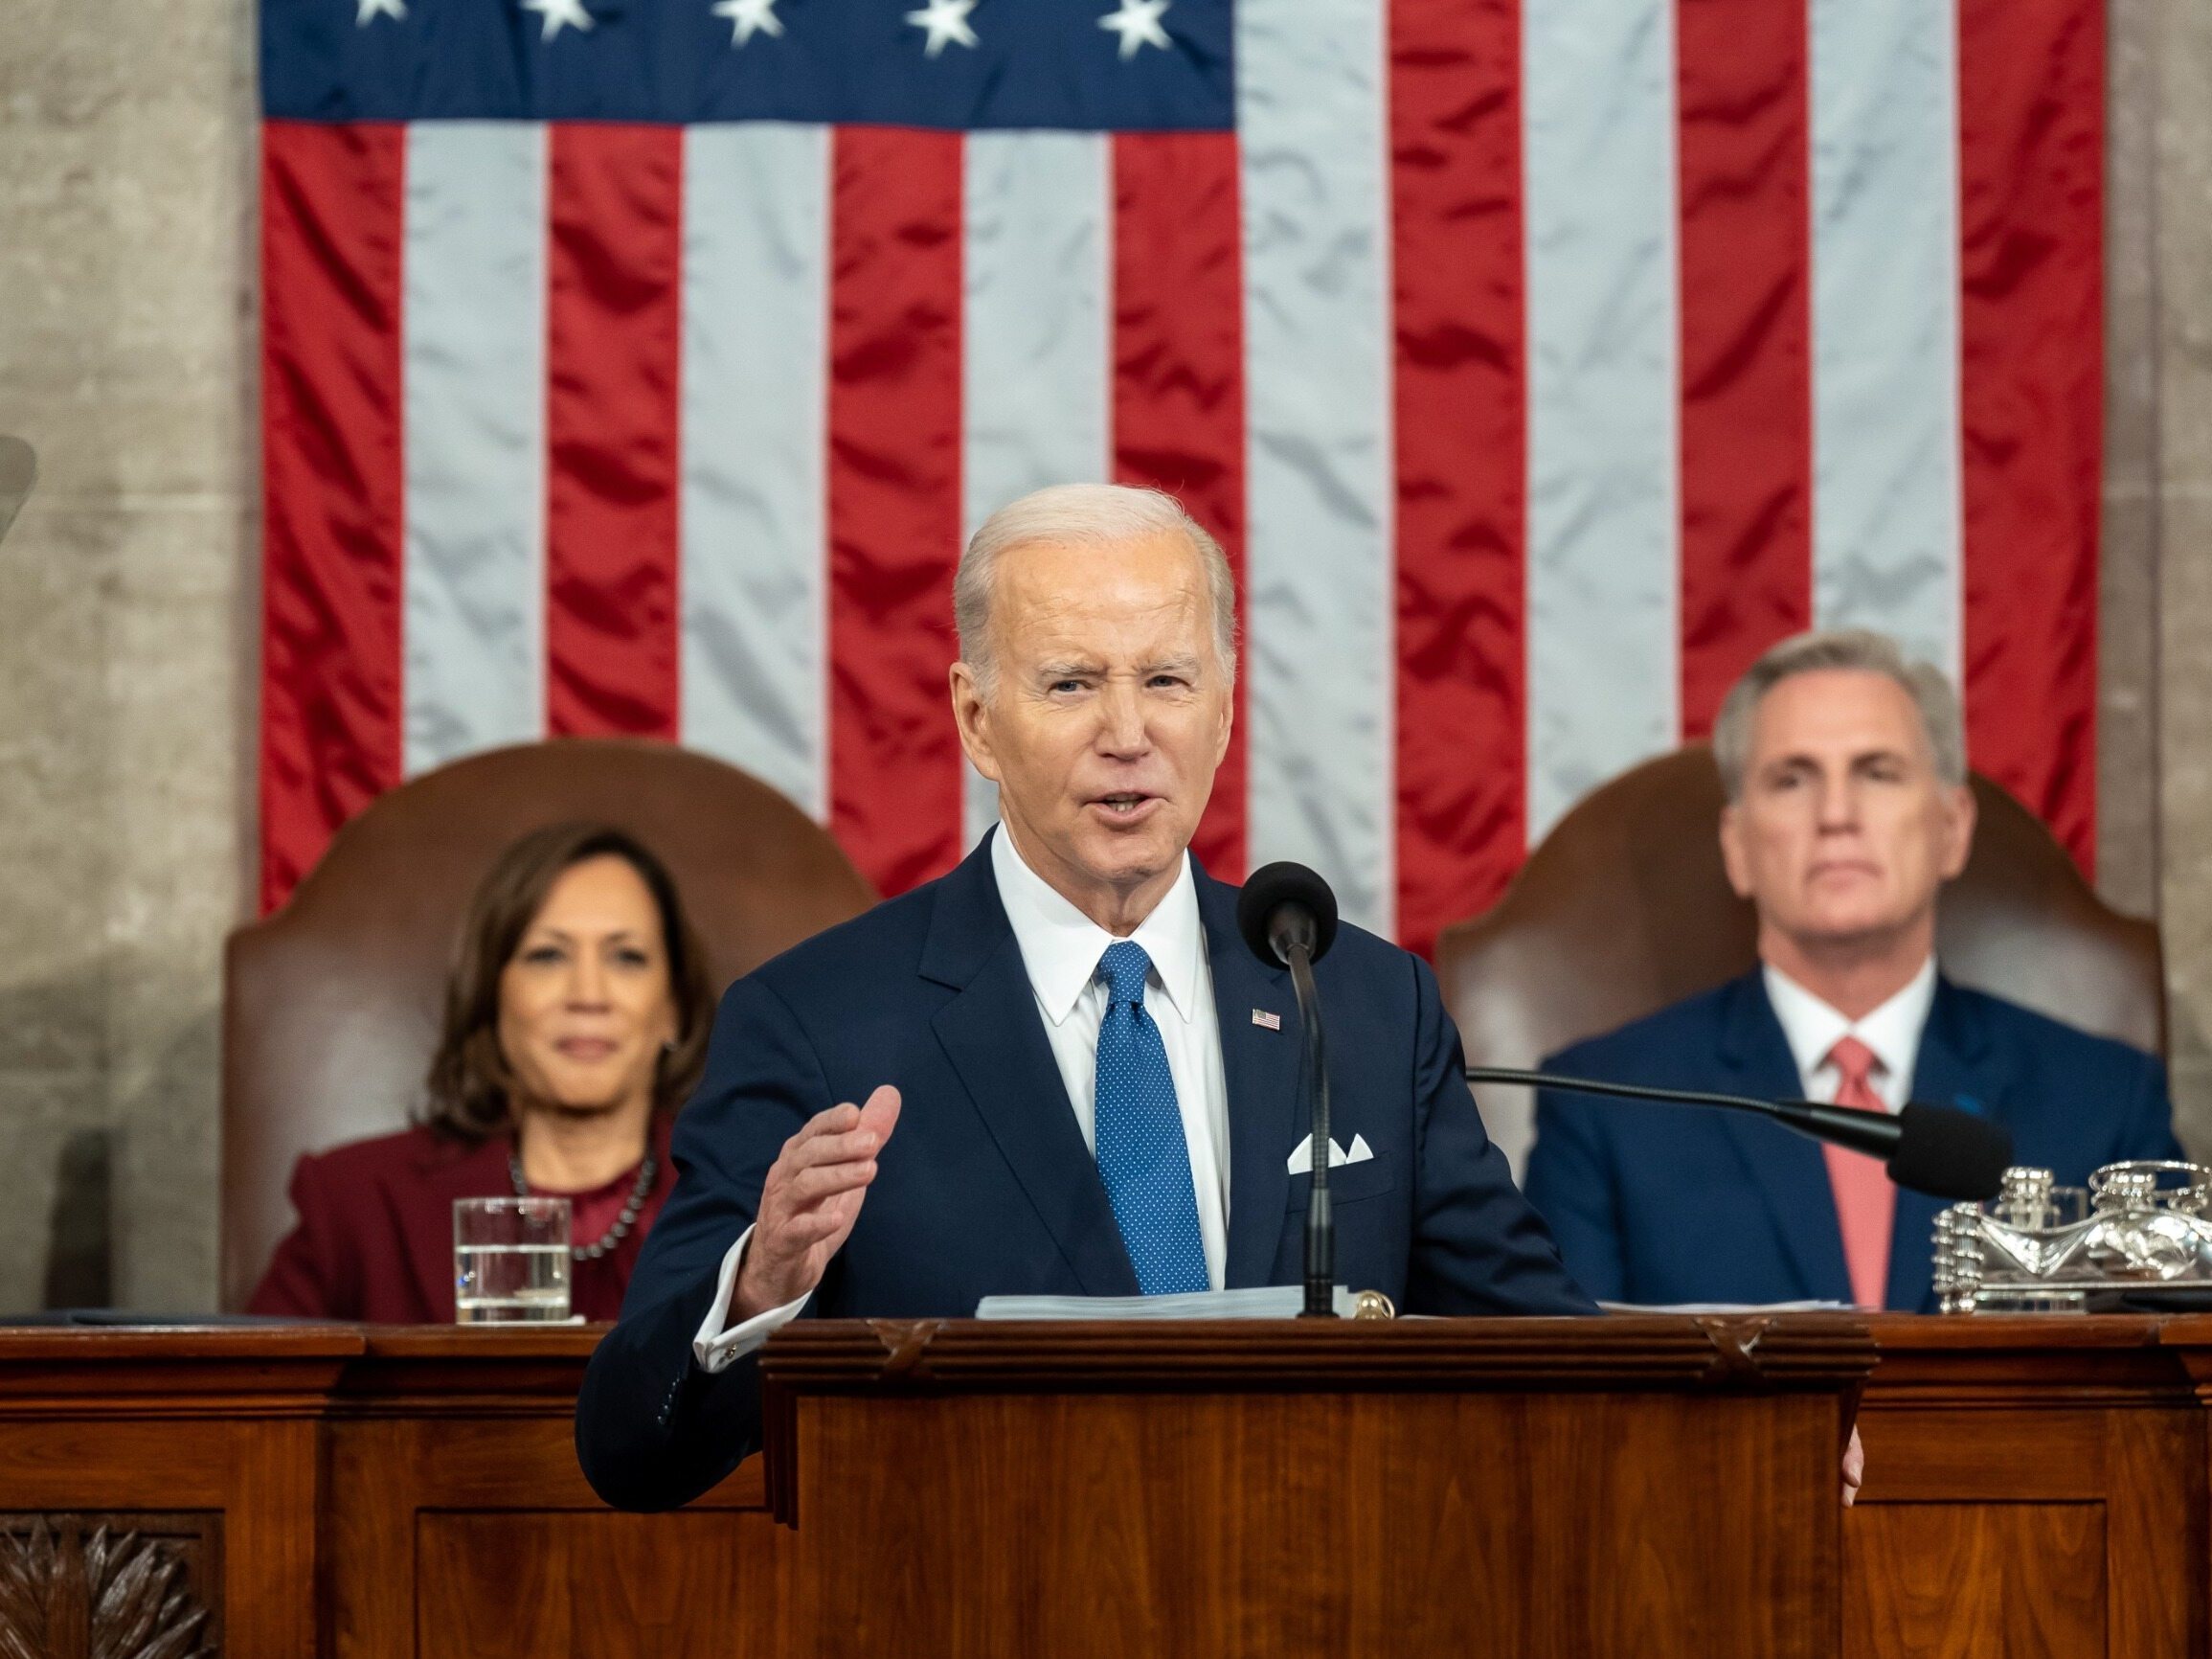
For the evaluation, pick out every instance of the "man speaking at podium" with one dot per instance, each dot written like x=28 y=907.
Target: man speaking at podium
x=1057 y=1069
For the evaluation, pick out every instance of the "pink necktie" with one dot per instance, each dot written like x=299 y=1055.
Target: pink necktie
x=1866 y=1202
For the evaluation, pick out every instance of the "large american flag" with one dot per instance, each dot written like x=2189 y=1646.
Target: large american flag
x=639 y=366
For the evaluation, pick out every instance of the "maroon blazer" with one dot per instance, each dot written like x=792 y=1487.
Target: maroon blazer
x=375 y=1240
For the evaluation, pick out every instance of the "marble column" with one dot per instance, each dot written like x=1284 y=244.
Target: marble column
x=2180 y=87
x=126 y=146
x=2128 y=605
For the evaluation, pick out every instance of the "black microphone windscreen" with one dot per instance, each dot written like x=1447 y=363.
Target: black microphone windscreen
x=1268 y=889
x=1947 y=1154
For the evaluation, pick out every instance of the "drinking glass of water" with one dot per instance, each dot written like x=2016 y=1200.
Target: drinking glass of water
x=510 y=1260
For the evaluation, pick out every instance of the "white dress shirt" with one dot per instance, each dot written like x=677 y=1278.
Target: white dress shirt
x=1060 y=949
x=1891 y=1031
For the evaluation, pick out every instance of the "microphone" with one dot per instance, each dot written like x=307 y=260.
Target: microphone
x=1939 y=1150
x=1288 y=918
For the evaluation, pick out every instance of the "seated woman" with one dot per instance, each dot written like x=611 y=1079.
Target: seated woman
x=576 y=1024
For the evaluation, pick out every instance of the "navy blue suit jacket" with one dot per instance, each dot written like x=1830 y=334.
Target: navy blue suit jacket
x=1659 y=1203
x=986 y=1185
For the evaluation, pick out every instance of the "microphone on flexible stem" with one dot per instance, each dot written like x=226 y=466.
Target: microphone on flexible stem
x=1939 y=1150
x=1287 y=917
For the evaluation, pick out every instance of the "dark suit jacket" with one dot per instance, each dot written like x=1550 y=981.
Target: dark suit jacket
x=986 y=1185
x=1660 y=1203
x=374 y=1239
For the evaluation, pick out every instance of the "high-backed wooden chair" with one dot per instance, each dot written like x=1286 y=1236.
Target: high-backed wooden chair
x=1625 y=908
x=330 y=1005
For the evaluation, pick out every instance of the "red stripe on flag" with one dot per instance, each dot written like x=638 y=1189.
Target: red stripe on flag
x=612 y=354
x=894 y=501
x=1179 y=376
x=1747 y=328
x=332 y=480
x=2031 y=215
x=1461 y=498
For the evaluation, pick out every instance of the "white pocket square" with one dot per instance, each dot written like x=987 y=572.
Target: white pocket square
x=1301 y=1158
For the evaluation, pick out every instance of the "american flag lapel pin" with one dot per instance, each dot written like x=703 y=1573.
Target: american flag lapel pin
x=1261 y=1017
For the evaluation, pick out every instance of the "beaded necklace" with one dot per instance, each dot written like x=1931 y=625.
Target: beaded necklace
x=623 y=1222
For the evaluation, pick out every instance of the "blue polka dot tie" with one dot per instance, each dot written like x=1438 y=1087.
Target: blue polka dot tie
x=1142 y=1157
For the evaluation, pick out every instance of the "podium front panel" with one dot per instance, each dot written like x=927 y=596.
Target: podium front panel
x=1525 y=1487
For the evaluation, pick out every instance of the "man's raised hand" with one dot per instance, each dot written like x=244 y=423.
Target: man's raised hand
x=810 y=1201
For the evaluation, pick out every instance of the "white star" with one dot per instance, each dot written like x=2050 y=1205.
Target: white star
x=370 y=9
x=945 y=20
x=747 y=18
x=558 y=13
x=1137 y=23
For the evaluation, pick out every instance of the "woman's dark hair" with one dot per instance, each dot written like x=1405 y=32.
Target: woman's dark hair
x=471 y=1085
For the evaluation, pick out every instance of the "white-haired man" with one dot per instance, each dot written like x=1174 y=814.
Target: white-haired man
x=1057 y=1069
x=1845 y=768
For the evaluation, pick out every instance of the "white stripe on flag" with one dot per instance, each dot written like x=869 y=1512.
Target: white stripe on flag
x=473 y=378
x=1885 y=191
x=1036 y=330
x=754 y=415
x=1603 y=568
x=1320 y=577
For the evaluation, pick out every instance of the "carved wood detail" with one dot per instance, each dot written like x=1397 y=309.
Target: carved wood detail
x=110 y=1586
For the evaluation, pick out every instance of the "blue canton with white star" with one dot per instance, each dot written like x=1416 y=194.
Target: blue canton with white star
x=1076 y=65
x=1143 y=1158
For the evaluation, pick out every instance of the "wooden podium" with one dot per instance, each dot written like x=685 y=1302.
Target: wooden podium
x=2035 y=1485
x=1527 y=1486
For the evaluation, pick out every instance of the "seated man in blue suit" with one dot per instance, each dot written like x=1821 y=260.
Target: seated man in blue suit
x=1057 y=1069
x=1847 y=807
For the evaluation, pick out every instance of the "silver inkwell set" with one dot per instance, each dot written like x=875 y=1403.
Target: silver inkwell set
x=2137 y=1237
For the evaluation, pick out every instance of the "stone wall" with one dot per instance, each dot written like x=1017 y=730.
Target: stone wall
x=2167 y=46
x=127 y=355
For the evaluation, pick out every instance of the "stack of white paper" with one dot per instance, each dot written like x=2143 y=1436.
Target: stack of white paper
x=1725 y=1306
x=1261 y=1302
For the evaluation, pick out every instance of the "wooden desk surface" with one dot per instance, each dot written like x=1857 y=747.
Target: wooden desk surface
x=2036 y=1485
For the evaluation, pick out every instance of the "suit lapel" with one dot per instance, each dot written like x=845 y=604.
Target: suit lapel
x=1788 y=1171
x=1950 y=1070
x=1260 y=1067
x=994 y=1039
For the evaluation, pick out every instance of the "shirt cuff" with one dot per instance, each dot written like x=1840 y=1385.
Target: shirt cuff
x=717 y=1350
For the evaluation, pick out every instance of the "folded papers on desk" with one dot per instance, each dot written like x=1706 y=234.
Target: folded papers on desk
x=1259 y=1301
x=1808 y=1306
